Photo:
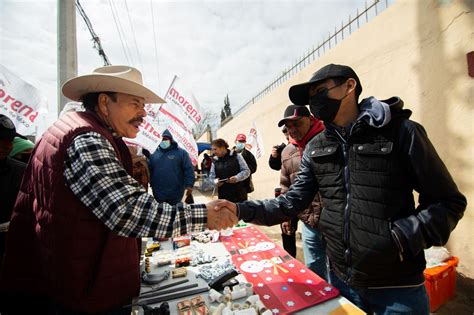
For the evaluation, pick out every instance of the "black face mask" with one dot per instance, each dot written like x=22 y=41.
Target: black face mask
x=323 y=107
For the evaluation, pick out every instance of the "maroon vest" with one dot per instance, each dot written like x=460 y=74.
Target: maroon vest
x=56 y=246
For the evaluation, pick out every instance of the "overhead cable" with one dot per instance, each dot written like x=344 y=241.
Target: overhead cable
x=134 y=38
x=121 y=32
x=95 y=38
x=154 y=39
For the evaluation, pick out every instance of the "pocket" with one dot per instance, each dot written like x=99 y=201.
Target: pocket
x=375 y=246
x=373 y=157
x=324 y=159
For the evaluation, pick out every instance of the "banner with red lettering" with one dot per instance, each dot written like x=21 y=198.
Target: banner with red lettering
x=173 y=118
x=178 y=95
x=157 y=120
x=20 y=101
x=254 y=142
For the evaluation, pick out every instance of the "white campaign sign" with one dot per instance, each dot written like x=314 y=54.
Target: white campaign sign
x=254 y=142
x=180 y=132
x=179 y=96
x=149 y=136
x=157 y=120
x=20 y=101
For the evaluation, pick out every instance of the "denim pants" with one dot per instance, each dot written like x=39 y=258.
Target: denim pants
x=408 y=301
x=314 y=251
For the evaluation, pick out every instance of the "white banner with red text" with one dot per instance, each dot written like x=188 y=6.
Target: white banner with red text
x=178 y=95
x=20 y=101
x=254 y=142
x=157 y=120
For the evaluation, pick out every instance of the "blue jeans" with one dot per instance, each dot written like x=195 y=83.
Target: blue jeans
x=314 y=251
x=413 y=300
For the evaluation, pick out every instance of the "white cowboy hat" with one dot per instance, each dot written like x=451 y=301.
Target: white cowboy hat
x=121 y=79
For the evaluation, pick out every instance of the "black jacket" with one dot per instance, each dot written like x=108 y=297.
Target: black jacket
x=373 y=232
x=226 y=167
x=252 y=164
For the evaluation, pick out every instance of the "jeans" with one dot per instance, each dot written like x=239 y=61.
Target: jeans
x=412 y=300
x=314 y=251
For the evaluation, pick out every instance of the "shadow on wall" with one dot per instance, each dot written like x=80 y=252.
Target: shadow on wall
x=437 y=77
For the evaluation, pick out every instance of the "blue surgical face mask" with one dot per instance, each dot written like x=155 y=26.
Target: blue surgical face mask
x=165 y=144
x=240 y=146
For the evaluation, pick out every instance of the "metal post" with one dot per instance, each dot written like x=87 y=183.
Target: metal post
x=67 y=46
x=350 y=27
x=358 y=26
x=366 y=13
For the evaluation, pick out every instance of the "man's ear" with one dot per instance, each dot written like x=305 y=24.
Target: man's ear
x=351 y=85
x=102 y=102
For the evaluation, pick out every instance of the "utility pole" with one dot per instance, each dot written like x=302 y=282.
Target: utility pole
x=67 y=46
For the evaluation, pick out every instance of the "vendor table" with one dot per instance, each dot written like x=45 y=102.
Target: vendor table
x=284 y=284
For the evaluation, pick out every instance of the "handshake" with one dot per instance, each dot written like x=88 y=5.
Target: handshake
x=221 y=214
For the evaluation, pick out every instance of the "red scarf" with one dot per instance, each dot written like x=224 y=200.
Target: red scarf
x=316 y=127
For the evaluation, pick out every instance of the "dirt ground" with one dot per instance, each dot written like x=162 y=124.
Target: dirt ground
x=461 y=304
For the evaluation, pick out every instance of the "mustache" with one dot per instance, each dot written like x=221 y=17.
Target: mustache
x=136 y=119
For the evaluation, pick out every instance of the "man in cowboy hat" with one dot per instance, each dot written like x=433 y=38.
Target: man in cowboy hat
x=73 y=242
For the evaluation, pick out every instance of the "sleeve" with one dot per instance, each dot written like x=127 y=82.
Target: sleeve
x=188 y=170
x=150 y=168
x=95 y=175
x=244 y=169
x=251 y=162
x=284 y=207
x=274 y=163
x=441 y=205
x=285 y=180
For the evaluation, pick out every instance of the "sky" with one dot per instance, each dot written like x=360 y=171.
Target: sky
x=216 y=47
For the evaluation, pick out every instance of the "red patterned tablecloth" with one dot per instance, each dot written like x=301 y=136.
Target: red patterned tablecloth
x=283 y=283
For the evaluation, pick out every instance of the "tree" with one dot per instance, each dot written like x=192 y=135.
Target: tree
x=227 y=109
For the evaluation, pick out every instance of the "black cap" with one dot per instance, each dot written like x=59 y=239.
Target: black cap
x=294 y=112
x=299 y=93
x=7 y=128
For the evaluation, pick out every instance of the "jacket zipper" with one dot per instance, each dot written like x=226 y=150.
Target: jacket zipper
x=397 y=241
x=347 y=210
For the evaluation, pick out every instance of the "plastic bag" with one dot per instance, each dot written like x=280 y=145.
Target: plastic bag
x=436 y=255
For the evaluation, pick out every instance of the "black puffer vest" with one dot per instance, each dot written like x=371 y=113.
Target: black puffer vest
x=364 y=187
x=226 y=167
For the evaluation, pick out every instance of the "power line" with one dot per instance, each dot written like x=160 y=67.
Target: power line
x=95 y=38
x=154 y=39
x=121 y=31
x=134 y=38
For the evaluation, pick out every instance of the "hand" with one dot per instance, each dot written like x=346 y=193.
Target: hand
x=232 y=180
x=221 y=214
x=274 y=152
x=286 y=228
x=189 y=191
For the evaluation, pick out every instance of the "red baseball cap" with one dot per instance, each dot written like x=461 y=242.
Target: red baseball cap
x=241 y=137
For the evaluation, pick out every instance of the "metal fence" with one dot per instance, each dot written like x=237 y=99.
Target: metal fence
x=345 y=30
